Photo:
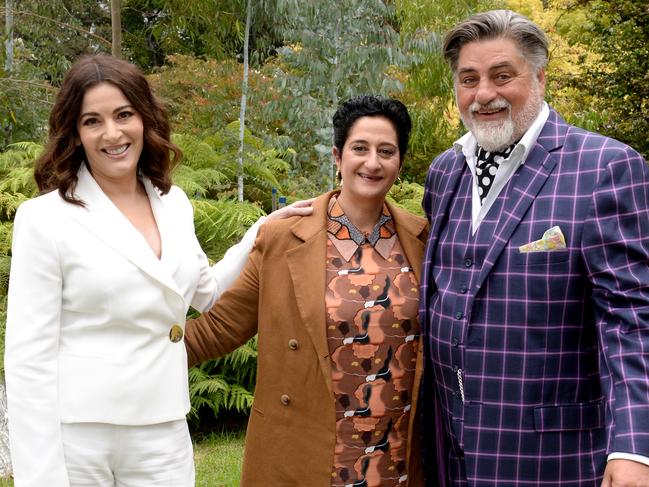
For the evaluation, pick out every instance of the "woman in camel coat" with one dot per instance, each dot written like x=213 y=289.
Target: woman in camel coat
x=338 y=378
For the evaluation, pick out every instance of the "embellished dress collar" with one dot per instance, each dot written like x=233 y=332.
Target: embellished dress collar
x=347 y=238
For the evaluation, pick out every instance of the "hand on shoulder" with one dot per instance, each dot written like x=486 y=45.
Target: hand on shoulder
x=299 y=208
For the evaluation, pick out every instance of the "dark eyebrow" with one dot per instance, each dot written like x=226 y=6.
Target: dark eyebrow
x=118 y=109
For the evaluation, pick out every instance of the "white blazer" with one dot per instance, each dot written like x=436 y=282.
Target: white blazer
x=90 y=310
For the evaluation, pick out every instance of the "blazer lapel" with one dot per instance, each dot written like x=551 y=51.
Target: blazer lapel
x=441 y=200
x=306 y=263
x=526 y=186
x=168 y=228
x=102 y=218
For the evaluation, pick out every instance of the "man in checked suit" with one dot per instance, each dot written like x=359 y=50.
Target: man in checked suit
x=535 y=290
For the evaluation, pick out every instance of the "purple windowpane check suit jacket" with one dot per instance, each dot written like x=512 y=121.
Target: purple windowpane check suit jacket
x=555 y=345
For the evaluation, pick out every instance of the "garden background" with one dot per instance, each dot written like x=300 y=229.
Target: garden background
x=251 y=86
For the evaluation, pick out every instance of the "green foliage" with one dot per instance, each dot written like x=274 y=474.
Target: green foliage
x=619 y=32
x=155 y=29
x=227 y=383
x=16 y=185
x=408 y=196
x=332 y=51
x=220 y=223
x=48 y=36
x=203 y=95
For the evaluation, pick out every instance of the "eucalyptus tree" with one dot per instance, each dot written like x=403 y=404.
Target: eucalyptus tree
x=332 y=51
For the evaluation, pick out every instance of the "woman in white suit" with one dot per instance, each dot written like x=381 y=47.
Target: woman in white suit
x=105 y=264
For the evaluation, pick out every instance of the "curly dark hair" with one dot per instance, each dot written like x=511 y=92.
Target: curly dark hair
x=57 y=167
x=372 y=106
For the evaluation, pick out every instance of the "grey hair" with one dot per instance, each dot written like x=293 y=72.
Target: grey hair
x=496 y=24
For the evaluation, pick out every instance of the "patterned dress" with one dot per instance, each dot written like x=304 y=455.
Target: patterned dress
x=373 y=337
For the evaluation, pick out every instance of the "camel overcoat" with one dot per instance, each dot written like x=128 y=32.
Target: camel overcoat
x=281 y=296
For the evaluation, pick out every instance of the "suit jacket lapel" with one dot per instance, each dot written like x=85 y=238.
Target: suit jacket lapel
x=441 y=200
x=526 y=184
x=101 y=217
x=306 y=263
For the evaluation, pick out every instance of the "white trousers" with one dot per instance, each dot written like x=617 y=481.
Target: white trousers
x=106 y=455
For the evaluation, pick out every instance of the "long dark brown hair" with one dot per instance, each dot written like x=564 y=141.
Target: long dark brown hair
x=57 y=167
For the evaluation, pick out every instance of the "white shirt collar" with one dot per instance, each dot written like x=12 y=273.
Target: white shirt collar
x=467 y=145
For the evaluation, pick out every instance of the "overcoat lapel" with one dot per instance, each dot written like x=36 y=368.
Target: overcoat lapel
x=308 y=272
x=409 y=229
x=306 y=263
x=102 y=218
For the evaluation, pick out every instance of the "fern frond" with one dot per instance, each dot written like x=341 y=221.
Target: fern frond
x=6 y=232
x=5 y=266
x=197 y=154
x=239 y=398
x=198 y=183
x=219 y=223
x=9 y=203
x=20 y=154
x=19 y=180
x=211 y=385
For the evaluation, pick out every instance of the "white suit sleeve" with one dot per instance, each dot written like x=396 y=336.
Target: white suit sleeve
x=216 y=279
x=31 y=352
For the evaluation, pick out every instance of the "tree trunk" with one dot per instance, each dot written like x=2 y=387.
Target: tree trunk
x=9 y=32
x=116 y=25
x=244 y=93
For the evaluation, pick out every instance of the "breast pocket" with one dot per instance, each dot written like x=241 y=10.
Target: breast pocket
x=532 y=259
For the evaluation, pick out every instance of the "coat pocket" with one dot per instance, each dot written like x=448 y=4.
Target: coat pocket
x=569 y=417
x=540 y=258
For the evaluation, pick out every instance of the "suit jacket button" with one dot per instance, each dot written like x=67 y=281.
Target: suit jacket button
x=176 y=333
x=285 y=399
x=293 y=344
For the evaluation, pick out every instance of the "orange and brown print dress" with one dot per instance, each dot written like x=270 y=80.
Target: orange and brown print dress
x=373 y=336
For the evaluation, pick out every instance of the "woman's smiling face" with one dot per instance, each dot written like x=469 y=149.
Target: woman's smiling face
x=370 y=161
x=111 y=133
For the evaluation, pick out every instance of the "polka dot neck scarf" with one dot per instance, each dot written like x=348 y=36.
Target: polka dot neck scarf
x=487 y=166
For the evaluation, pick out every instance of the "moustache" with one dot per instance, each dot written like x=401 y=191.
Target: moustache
x=497 y=104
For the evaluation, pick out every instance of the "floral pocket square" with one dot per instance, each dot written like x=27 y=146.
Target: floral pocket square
x=552 y=239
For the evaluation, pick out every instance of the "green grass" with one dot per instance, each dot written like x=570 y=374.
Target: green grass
x=217 y=459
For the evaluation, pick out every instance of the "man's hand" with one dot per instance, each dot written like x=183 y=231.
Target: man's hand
x=625 y=473
x=301 y=208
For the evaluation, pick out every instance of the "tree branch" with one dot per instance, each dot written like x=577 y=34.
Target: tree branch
x=19 y=13
x=27 y=82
